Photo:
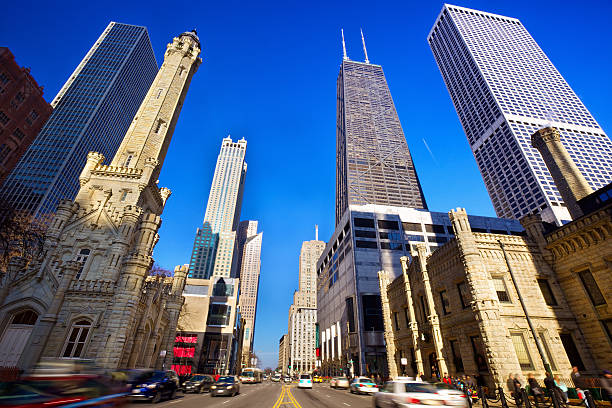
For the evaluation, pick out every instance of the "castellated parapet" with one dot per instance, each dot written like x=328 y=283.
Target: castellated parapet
x=91 y=288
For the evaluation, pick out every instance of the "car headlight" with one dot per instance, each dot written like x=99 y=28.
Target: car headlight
x=213 y=387
x=229 y=387
x=151 y=386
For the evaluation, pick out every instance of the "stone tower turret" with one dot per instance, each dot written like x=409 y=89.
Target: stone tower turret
x=567 y=177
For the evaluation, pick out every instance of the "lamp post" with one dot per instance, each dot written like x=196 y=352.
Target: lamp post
x=533 y=332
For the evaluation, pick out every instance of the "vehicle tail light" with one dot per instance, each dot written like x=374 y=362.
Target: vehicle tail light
x=410 y=400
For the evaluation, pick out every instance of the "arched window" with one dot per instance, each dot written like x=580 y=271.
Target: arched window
x=82 y=258
x=27 y=317
x=75 y=343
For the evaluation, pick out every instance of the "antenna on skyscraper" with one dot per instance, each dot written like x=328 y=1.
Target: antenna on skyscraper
x=365 y=51
x=316 y=232
x=344 y=57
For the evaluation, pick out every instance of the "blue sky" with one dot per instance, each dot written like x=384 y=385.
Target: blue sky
x=269 y=75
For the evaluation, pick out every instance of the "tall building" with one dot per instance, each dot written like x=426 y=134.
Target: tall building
x=89 y=295
x=213 y=248
x=23 y=111
x=92 y=112
x=373 y=163
x=505 y=88
x=248 y=251
x=301 y=341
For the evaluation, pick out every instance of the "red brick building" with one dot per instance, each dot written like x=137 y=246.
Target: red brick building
x=23 y=111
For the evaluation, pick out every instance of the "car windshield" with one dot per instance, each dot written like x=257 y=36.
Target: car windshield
x=304 y=377
x=197 y=378
x=364 y=381
x=150 y=376
x=247 y=374
x=422 y=388
x=225 y=380
x=443 y=386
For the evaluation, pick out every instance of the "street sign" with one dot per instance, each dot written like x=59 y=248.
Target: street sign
x=404 y=361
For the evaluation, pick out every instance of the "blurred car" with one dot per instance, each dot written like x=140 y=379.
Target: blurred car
x=154 y=385
x=317 y=379
x=226 y=385
x=413 y=394
x=22 y=394
x=339 y=382
x=305 y=381
x=363 y=385
x=287 y=380
x=198 y=383
x=446 y=389
x=276 y=378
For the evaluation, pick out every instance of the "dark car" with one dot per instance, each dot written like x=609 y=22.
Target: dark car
x=228 y=385
x=154 y=385
x=198 y=383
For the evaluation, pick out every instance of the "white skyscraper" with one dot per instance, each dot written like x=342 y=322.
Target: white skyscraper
x=504 y=88
x=214 y=243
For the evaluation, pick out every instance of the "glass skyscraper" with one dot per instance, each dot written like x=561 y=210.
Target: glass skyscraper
x=504 y=88
x=92 y=112
x=213 y=248
x=373 y=163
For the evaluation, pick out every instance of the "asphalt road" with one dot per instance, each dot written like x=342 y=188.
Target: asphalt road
x=269 y=395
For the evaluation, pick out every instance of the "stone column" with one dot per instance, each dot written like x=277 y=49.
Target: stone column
x=433 y=318
x=40 y=334
x=569 y=181
x=501 y=359
x=535 y=231
x=413 y=325
x=383 y=282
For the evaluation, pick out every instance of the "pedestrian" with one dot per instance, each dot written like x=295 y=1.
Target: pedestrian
x=551 y=386
x=510 y=384
x=420 y=377
x=562 y=386
x=577 y=378
x=518 y=395
x=606 y=383
x=536 y=390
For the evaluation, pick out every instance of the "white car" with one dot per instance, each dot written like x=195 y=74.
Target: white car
x=305 y=381
x=363 y=385
x=413 y=394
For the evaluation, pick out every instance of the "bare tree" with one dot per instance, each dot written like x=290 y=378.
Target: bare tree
x=157 y=269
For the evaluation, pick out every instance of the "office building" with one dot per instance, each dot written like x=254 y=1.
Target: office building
x=504 y=88
x=369 y=239
x=213 y=248
x=373 y=163
x=248 y=252
x=92 y=112
x=303 y=312
x=23 y=111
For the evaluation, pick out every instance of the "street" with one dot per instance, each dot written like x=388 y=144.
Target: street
x=270 y=395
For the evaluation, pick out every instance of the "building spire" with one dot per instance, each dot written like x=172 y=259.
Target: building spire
x=344 y=57
x=365 y=51
x=316 y=232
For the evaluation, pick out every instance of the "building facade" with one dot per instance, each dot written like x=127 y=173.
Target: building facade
x=92 y=276
x=207 y=331
x=283 y=359
x=373 y=162
x=213 y=248
x=370 y=239
x=457 y=310
x=249 y=254
x=92 y=112
x=504 y=88
x=23 y=111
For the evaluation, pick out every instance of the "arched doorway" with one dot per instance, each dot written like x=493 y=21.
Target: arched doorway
x=16 y=336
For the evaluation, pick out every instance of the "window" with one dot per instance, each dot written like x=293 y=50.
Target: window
x=549 y=298
x=82 y=258
x=366 y=244
x=4 y=152
x=365 y=234
x=391 y=225
x=218 y=314
x=75 y=343
x=445 y=303
x=3 y=78
x=411 y=226
x=372 y=313
x=27 y=317
x=456 y=354
x=463 y=295
x=543 y=337
x=397 y=326
x=128 y=160
x=520 y=347
x=395 y=246
x=424 y=309
x=3 y=118
x=158 y=126
x=438 y=229
x=18 y=134
x=500 y=289
x=124 y=195
x=363 y=222
x=591 y=287
x=571 y=350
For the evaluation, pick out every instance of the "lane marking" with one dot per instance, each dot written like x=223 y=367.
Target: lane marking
x=348 y=405
x=294 y=400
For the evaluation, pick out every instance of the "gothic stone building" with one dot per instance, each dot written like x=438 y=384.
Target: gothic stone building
x=457 y=309
x=88 y=296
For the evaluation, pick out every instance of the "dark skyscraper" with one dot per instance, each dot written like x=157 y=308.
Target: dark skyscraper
x=92 y=112
x=373 y=162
